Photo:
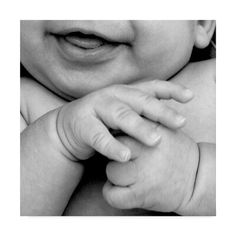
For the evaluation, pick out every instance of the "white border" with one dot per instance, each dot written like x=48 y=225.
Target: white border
x=12 y=12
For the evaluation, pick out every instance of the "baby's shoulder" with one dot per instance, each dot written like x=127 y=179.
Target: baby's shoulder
x=36 y=100
x=200 y=77
x=199 y=73
x=200 y=111
x=207 y=66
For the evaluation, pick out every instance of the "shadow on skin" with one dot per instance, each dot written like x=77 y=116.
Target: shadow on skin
x=87 y=199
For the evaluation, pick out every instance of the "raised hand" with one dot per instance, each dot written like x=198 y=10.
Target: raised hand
x=83 y=125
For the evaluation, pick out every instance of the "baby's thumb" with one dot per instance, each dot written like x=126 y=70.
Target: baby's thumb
x=134 y=146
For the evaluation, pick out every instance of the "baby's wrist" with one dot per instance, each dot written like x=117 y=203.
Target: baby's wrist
x=68 y=131
x=61 y=136
x=190 y=189
x=48 y=178
x=202 y=200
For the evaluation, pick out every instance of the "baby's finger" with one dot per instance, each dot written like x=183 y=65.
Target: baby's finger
x=118 y=115
x=120 y=197
x=151 y=108
x=165 y=90
x=98 y=137
x=135 y=147
x=122 y=174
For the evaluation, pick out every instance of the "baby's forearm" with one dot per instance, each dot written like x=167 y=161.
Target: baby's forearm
x=203 y=200
x=48 y=177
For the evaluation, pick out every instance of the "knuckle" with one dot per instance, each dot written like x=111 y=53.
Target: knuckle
x=168 y=118
x=122 y=112
x=100 y=141
x=147 y=99
x=169 y=112
x=161 y=108
x=165 y=111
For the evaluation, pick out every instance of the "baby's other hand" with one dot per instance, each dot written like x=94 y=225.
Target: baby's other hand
x=84 y=125
x=159 y=178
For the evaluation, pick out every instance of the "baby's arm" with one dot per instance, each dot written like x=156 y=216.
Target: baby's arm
x=203 y=198
x=52 y=145
x=200 y=77
x=176 y=175
x=178 y=159
x=48 y=177
x=201 y=127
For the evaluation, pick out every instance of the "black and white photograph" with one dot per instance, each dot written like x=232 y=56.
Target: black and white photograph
x=118 y=117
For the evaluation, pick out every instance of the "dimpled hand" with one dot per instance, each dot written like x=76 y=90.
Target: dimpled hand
x=158 y=178
x=83 y=125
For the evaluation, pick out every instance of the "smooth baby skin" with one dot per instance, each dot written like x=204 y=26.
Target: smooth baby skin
x=144 y=49
x=77 y=129
x=200 y=77
x=88 y=199
x=140 y=51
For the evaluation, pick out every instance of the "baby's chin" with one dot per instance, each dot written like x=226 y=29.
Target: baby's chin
x=70 y=81
x=78 y=83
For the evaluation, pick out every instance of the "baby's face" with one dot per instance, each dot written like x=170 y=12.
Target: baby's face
x=74 y=58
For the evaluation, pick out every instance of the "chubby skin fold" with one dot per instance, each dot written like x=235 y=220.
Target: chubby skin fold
x=93 y=78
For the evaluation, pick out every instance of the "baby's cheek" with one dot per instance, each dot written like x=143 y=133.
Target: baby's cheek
x=122 y=174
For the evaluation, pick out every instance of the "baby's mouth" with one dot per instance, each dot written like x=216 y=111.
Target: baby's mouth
x=84 y=41
x=87 y=47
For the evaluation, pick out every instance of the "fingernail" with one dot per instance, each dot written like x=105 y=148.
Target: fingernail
x=180 y=119
x=155 y=137
x=188 y=93
x=125 y=155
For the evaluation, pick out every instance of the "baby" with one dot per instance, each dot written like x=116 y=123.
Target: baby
x=119 y=89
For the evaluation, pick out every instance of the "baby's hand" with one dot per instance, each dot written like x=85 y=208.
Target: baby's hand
x=159 y=178
x=83 y=124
